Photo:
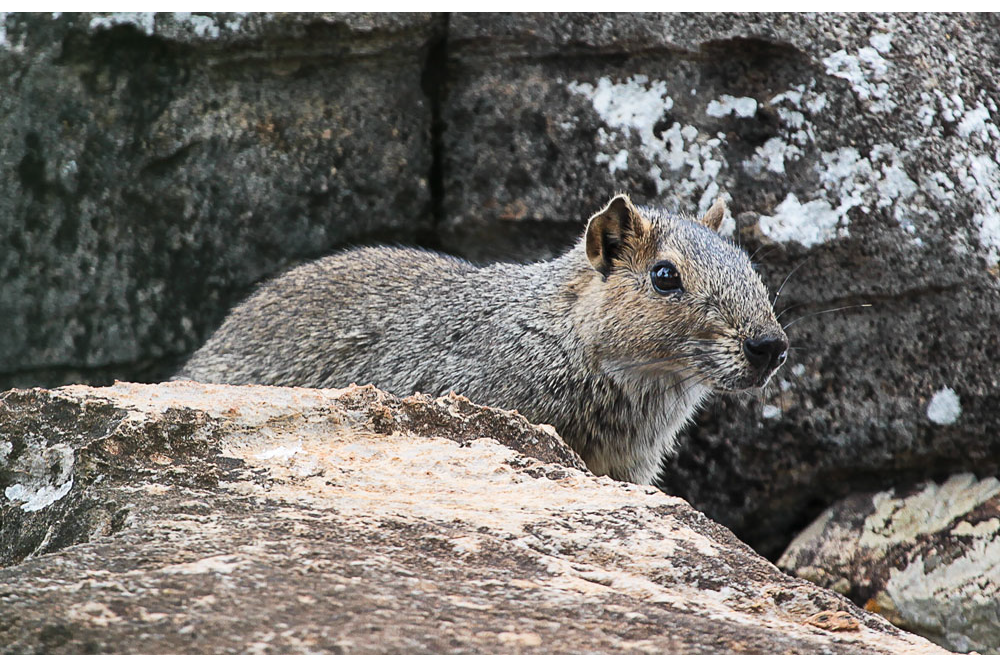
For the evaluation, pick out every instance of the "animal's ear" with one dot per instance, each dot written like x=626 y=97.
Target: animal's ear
x=611 y=231
x=715 y=215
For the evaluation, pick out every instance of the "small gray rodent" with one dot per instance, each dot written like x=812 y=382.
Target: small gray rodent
x=615 y=343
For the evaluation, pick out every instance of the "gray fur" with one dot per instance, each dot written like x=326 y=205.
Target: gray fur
x=556 y=340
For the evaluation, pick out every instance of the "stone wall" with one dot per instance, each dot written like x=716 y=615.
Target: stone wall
x=156 y=167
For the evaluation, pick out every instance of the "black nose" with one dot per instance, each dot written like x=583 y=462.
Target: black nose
x=765 y=353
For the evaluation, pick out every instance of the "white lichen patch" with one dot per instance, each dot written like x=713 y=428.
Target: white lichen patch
x=771 y=412
x=743 y=107
x=986 y=528
x=938 y=185
x=3 y=30
x=952 y=106
x=618 y=162
x=894 y=184
x=144 y=21
x=846 y=174
x=979 y=175
x=797 y=131
x=881 y=42
x=205 y=26
x=900 y=520
x=809 y=224
x=44 y=474
x=635 y=103
x=816 y=104
x=974 y=122
x=33 y=499
x=865 y=72
x=771 y=156
x=849 y=180
x=960 y=597
x=684 y=163
x=885 y=178
x=7 y=43
x=6 y=447
x=926 y=111
x=944 y=407
x=789 y=105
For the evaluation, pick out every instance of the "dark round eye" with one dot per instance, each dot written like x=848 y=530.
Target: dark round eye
x=666 y=278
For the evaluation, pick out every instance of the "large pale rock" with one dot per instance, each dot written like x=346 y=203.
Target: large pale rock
x=927 y=558
x=189 y=518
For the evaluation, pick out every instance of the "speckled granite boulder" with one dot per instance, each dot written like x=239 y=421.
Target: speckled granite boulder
x=928 y=558
x=189 y=518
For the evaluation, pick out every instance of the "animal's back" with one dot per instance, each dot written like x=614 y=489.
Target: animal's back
x=615 y=342
x=349 y=317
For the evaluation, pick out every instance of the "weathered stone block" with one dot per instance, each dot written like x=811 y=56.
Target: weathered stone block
x=158 y=165
x=927 y=558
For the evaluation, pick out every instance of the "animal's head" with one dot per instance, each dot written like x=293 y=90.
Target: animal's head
x=675 y=296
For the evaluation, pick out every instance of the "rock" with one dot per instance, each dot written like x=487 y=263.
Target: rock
x=214 y=519
x=162 y=164
x=928 y=559
x=858 y=153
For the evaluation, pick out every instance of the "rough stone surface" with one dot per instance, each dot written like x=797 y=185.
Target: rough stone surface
x=157 y=166
x=190 y=518
x=927 y=558
x=858 y=151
